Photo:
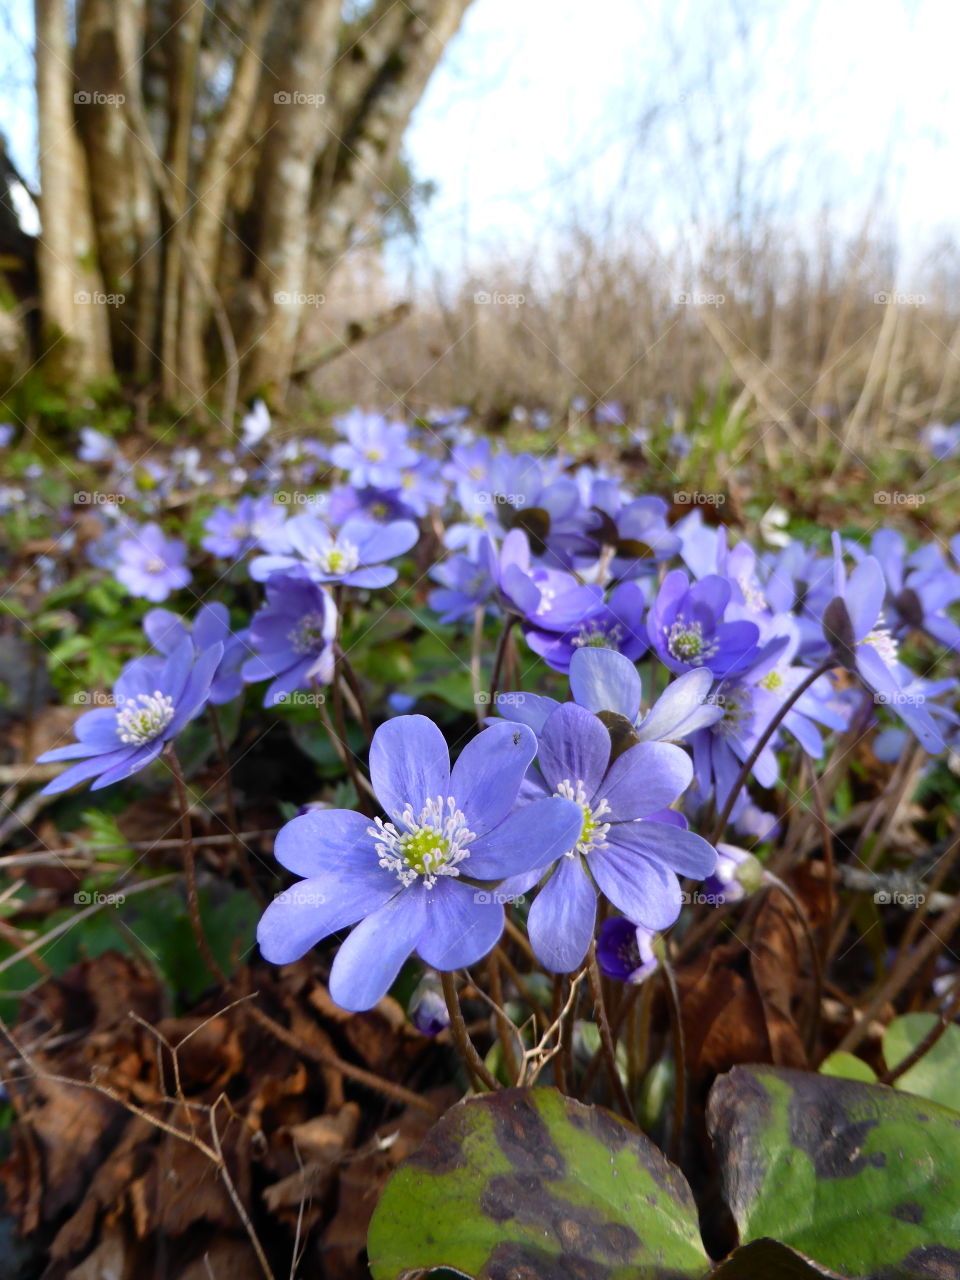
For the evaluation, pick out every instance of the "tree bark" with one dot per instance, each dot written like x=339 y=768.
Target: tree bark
x=72 y=297
x=227 y=156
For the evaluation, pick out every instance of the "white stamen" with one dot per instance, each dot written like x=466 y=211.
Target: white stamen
x=593 y=834
x=433 y=844
x=138 y=725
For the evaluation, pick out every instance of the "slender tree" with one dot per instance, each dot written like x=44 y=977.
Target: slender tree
x=204 y=166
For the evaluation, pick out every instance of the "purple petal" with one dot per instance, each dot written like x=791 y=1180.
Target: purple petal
x=196 y=687
x=531 y=837
x=682 y=851
x=681 y=709
x=574 y=746
x=409 y=764
x=378 y=575
x=327 y=842
x=531 y=709
x=83 y=771
x=135 y=761
x=562 y=918
x=164 y=629
x=464 y=924
x=864 y=596
x=368 y=962
x=99 y=729
x=310 y=910
x=647 y=777
x=604 y=680
x=487 y=776
x=645 y=891
x=384 y=542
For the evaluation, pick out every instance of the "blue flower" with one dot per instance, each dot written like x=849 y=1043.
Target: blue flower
x=150 y=564
x=918 y=592
x=630 y=845
x=376 y=452
x=405 y=879
x=231 y=532
x=616 y=624
x=855 y=629
x=465 y=585
x=549 y=599
x=625 y=950
x=687 y=629
x=152 y=702
x=353 y=555
x=293 y=635
x=211 y=626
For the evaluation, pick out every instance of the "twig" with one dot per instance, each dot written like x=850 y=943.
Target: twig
x=679 y=1060
x=239 y=848
x=66 y=925
x=396 y=1092
x=461 y=1037
x=607 y=1044
x=505 y=1028
x=190 y=868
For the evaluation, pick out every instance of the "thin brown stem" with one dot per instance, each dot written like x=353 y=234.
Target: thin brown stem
x=461 y=1036
x=498 y=661
x=679 y=1061
x=239 y=848
x=939 y=1028
x=813 y=1028
x=190 y=868
x=505 y=1028
x=607 y=1044
x=396 y=1092
x=721 y=823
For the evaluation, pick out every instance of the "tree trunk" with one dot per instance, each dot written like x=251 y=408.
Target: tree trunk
x=218 y=161
x=73 y=300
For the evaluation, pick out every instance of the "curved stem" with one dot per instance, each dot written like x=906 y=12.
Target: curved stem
x=461 y=1036
x=239 y=848
x=679 y=1061
x=926 y=1044
x=607 y=1043
x=500 y=655
x=811 y=1037
x=827 y=665
x=190 y=867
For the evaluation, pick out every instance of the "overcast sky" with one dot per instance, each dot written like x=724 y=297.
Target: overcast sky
x=645 y=108
x=538 y=108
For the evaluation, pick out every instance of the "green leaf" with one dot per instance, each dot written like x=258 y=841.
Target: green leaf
x=856 y=1176
x=935 y=1075
x=526 y=1182
x=847 y=1066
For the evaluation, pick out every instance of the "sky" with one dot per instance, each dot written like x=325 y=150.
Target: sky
x=667 y=114
x=538 y=110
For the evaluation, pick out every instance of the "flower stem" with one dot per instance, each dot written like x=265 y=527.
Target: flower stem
x=504 y=641
x=679 y=1061
x=475 y=1065
x=607 y=1044
x=505 y=1028
x=240 y=851
x=190 y=868
x=775 y=882
x=720 y=826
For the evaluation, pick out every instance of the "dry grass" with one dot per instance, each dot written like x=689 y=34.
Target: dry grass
x=799 y=334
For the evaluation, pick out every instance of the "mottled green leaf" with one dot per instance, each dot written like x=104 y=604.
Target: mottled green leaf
x=528 y=1183
x=937 y=1074
x=857 y=1176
